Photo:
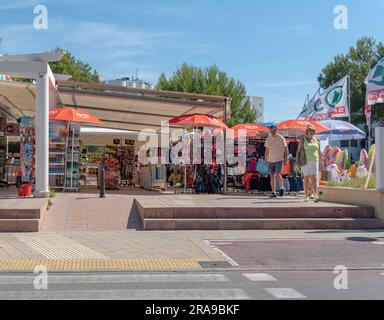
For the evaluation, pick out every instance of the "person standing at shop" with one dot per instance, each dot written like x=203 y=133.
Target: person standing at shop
x=308 y=158
x=276 y=155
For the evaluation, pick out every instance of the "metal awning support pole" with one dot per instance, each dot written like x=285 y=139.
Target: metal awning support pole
x=227 y=108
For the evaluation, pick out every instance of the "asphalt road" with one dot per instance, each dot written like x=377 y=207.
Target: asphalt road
x=228 y=285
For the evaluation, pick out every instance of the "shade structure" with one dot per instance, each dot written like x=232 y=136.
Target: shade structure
x=72 y=115
x=198 y=120
x=298 y=127
x=341 y=130
x=252 y=130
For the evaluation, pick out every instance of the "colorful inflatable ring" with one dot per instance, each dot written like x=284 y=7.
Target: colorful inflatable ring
x=347 y=160
x=325 y=156
x=364 y=159
x=341 y=160
x=371 y=151
x=334 y=155
x=370 y=156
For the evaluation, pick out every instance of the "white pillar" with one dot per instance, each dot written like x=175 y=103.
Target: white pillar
x=379 y=140
x=42 y=136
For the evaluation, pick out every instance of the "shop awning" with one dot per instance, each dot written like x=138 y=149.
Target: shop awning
x=136 y=109
x=117 y=107
x=17 y=98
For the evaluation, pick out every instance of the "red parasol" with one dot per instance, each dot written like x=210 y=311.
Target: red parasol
x=198 y=120
x=298 y=127
x=253 y=130
x=72 y=115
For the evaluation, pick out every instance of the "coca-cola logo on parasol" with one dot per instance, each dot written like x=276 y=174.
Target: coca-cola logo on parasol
x=82 y=115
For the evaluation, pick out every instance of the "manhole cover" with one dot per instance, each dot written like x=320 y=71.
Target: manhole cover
x=215 y=265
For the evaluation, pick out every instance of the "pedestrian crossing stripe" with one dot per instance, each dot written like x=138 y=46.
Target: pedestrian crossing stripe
x=285 y=293
x=259 y=277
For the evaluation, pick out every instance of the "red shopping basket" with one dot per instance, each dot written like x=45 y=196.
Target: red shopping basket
x=25 y=190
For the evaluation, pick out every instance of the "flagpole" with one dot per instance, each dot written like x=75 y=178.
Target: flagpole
x=349 y=104
x=349 y=99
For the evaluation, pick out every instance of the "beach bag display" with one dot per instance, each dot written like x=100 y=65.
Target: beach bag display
x=265 y=184
x=300 y=184
x=293 y=186
x=286 y=185
x=262 y=168
x=254 y=183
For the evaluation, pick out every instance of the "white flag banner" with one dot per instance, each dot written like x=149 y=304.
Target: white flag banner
x=375 y=84
x=312 y=104
x=333 y=102
x=305 y=112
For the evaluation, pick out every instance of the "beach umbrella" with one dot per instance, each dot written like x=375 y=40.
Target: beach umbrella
x=253 y=130
x=297 y=128
x=341 y=130
x=72 y=115
x=198 y=120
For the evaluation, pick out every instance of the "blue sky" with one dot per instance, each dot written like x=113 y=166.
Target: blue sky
x=276 y=47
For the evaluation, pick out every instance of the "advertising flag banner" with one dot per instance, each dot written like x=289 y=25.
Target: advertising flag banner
x=375 y=84
x=333 y=102
x=305 y=112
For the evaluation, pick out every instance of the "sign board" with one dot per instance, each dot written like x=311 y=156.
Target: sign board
x=12 y=129
x=130 y=142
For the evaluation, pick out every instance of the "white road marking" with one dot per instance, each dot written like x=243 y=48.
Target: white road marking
x=232 y=262
x=285 y=293
x=57 y=247
x=378 y=242
x=262 y=277
x=130 y=278
x=222 y=244
x=152 y=294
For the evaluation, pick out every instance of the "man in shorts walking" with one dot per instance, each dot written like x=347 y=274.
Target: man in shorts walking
x=276 y=155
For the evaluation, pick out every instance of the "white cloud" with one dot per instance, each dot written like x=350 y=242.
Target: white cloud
x=284 y=84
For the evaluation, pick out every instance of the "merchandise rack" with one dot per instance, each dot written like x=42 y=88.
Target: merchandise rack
x=57 y=146
x=72 y=173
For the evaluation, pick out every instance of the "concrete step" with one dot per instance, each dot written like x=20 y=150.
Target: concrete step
x=19 y=225
x=331 y=211
x=21 y=213
x=262 y=224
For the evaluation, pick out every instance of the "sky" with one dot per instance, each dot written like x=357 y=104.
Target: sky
x=276 y=48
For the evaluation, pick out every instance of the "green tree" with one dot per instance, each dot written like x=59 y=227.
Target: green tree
x=77 y=69
x=211 y=81
x=357 y=63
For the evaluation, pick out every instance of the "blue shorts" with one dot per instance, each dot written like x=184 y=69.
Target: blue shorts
x=275 y=167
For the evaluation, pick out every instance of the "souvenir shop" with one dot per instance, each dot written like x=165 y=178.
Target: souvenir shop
x=117 y=151
x=9 y=151
x=256 y=178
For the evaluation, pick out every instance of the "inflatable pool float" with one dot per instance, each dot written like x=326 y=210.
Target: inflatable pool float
x=334 y=155
x=364 y=159
x=347 y=160
x=325 y=156
x=370 y=158
x=340 y=160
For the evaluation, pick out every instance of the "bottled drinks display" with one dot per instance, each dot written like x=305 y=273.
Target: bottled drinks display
x=64 y=151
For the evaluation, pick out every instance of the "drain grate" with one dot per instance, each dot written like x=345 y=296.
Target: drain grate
x=215 y=265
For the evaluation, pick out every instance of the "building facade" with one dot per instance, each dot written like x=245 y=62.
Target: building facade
x=258 y=105
x=134 y=83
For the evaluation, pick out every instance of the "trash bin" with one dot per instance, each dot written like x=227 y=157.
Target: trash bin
x=25 y=190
